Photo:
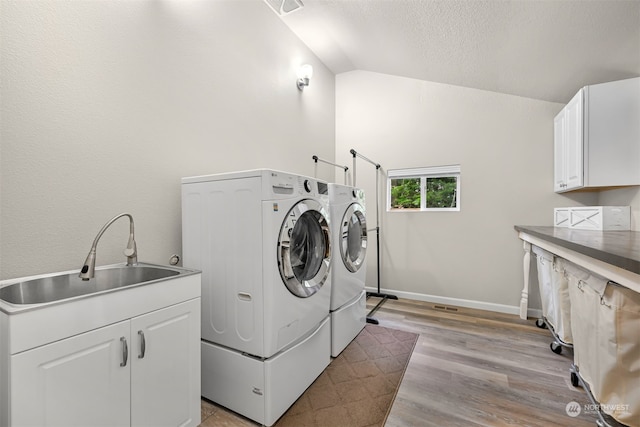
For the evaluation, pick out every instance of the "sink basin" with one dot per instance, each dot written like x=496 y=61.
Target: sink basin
x=69 y=285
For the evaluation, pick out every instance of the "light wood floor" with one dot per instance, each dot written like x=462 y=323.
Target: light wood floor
x=469 y=368
x=480 y=368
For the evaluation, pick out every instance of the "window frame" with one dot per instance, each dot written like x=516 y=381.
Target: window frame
x=448 y=171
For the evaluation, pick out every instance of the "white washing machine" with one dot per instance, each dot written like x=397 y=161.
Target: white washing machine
x=348 y=270
x=262 y=240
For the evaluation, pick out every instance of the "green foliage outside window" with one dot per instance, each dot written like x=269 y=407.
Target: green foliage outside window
x=441 y=192
x=405 y=193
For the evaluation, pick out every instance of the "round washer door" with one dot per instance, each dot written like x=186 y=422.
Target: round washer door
x=304 y=248
x=353 y=237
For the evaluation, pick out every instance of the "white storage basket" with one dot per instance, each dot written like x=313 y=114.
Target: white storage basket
x=593 y=217
x=561 y=217
x=584 y=301
x=554 y=294
x=618 y=355
x=544 y=262
x=600 y=218
x=562 y=302
x=606 y=333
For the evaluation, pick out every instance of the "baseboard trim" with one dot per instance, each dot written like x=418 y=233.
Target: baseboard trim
x=480 y=305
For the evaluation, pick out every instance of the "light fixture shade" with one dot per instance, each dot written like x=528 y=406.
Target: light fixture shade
x=283 y=7
x=304 y=74
x=305 y=71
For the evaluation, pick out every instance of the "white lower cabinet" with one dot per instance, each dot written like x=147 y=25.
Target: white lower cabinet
x=144 y=371
x=74 y=382
x=165 y=367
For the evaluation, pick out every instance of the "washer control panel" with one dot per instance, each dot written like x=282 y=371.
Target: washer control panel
x=307 y=186
x=283 y=184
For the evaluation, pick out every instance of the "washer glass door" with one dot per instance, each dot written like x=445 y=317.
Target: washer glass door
x=353 y=237
x=304 y=248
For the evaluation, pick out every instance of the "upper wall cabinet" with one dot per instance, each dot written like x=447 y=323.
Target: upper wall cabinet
x=597 y=137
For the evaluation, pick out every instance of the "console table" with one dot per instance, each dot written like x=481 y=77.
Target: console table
x=614 y=255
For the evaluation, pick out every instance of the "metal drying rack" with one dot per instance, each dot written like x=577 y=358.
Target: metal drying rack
x=316 y=159
x=378 y=294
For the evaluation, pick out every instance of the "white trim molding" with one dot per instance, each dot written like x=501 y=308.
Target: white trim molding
x=479 y=305
x=449 y=170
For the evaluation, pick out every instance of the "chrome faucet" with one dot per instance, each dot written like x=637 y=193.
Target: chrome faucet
x=88 y=269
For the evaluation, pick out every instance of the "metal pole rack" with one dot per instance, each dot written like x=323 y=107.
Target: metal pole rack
x=316 y=159
x=383 y=296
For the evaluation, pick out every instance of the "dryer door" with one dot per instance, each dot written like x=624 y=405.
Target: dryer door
x=304 y=248
x=353 y=237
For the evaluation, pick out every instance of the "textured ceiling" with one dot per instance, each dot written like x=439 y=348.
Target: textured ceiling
x=541 y=49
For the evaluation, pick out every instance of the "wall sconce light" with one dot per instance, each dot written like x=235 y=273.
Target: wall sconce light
x=305 y=72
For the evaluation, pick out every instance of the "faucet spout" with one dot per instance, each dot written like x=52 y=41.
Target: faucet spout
x=131 y=252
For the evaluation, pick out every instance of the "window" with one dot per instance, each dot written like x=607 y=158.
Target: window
x=434 y=188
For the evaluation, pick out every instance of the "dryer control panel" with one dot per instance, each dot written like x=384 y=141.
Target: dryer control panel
x=341 y=194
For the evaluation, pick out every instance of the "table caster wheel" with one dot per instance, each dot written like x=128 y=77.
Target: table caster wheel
x=541 y=324
x=574 y=379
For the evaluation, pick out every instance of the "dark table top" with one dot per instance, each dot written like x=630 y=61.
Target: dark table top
x=618 y=248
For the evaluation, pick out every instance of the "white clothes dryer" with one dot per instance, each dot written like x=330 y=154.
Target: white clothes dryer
x=262 y=240
x=348 y=270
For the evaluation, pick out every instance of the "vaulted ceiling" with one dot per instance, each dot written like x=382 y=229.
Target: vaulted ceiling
x=541 y=49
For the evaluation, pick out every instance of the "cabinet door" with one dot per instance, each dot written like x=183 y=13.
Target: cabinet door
x=559 y=152
x=574 y=142
x=165 y=373
x=80 y=381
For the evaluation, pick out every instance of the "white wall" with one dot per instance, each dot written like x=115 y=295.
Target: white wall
x=504 y=145
x=107 y=104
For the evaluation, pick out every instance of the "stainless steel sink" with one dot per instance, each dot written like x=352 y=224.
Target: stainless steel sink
x=69 y=285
